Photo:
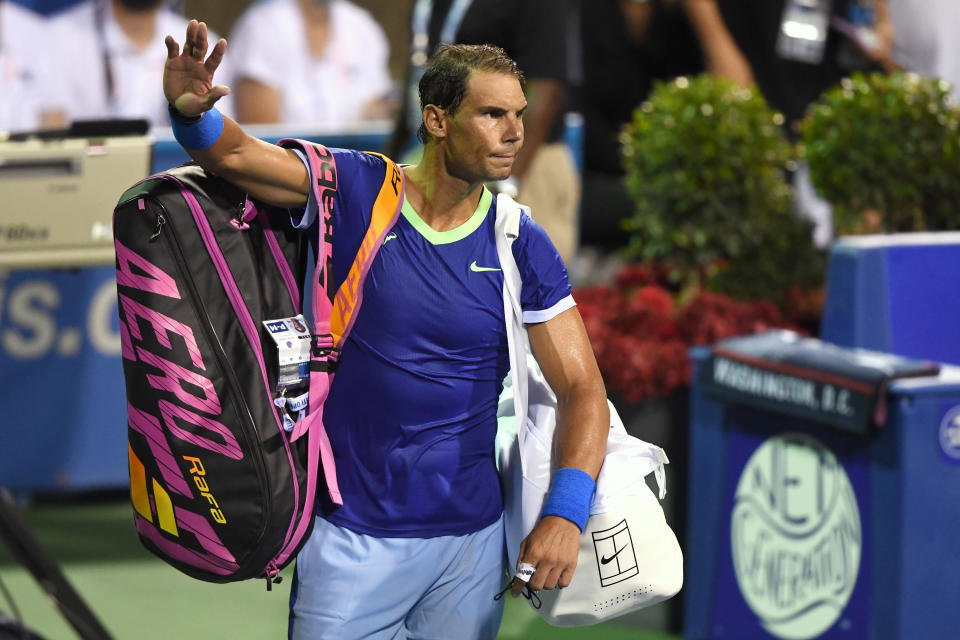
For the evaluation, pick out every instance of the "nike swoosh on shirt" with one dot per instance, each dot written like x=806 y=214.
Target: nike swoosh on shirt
x=390 y=236
x=605 y=559
x=474 y=267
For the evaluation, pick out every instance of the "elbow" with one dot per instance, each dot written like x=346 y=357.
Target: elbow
x=226 y=163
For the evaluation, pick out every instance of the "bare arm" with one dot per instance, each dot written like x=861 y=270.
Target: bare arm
x=884 y=29
x=638 y=16
x=563 y=352
x=723 y=56
x=267 y=172
x=256 y=102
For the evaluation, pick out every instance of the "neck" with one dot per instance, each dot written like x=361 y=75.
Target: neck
x=316 y=19
x=138 y=26
x=443 y=200
x=315 y=13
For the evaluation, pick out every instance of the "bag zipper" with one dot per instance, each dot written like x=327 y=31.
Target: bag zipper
x=249 y=328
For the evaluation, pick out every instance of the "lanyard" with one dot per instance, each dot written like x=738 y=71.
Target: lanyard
x=100 y=17
x=419 y=53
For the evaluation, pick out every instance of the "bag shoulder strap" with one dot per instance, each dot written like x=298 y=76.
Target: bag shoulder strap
x=386 y=209
x=507 y=229
x=335 y=314
x=323 y=173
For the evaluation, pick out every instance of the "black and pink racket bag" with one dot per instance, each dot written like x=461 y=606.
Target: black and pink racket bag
x=221 y=489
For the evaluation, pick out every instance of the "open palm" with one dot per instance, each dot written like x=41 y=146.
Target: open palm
x=187 y=77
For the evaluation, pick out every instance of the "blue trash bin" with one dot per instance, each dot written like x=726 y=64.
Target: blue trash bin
x=801 y=530
x=895 y=293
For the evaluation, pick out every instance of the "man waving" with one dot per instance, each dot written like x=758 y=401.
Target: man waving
x=417 y=549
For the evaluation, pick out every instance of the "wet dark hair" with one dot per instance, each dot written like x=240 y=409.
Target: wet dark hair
x=444 y=83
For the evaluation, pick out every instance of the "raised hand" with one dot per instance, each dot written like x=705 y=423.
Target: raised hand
x=187 y=78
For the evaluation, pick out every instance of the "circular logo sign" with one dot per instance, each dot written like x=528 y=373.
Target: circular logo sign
x=795 y=536
x=950 y=433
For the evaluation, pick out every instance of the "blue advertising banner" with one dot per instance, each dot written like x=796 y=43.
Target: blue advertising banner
x=792 y=549
x=61 y=380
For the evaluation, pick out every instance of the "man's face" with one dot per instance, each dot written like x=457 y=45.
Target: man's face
x=485 y=134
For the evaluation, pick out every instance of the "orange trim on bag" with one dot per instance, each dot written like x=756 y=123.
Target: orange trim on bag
x=347 y=300
x=138 y=486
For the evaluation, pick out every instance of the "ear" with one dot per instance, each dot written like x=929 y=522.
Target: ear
x=435 y=120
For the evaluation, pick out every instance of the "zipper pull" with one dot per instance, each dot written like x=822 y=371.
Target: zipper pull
x=238 y=222
x=272 y=574
x=160 y=222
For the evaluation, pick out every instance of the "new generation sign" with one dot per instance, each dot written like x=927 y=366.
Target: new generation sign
x=796 y=536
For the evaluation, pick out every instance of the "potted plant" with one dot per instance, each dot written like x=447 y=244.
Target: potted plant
x=707 y=163
x=885 y=151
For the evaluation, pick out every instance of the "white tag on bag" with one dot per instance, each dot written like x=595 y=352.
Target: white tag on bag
x=293 y=351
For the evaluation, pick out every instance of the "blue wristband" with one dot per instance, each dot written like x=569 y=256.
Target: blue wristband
x=198 y=135
x=571 y=493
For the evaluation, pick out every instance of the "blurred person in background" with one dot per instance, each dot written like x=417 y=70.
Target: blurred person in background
x=794 y=50
x=535 y=33
x=627 y=45
x=326 y=64
x=743 y=40
x=109 y=59
x=927 y=38
x=25 y=99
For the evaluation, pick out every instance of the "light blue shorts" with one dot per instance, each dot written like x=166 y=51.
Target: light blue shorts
x=348 y=586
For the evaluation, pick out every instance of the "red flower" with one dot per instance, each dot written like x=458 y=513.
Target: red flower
x=641 y=336
x=656 y=297
x=635 y=275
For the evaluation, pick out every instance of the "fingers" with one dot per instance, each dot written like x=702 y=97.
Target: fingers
x=191 y=37
x=216 y=56
x=214 y=94
x=195 y=45
x=516 y=587
x=173 y=48
x=200 y=46
x=546 y=578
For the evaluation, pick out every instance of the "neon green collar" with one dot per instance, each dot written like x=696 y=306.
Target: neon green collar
x=446 y=237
